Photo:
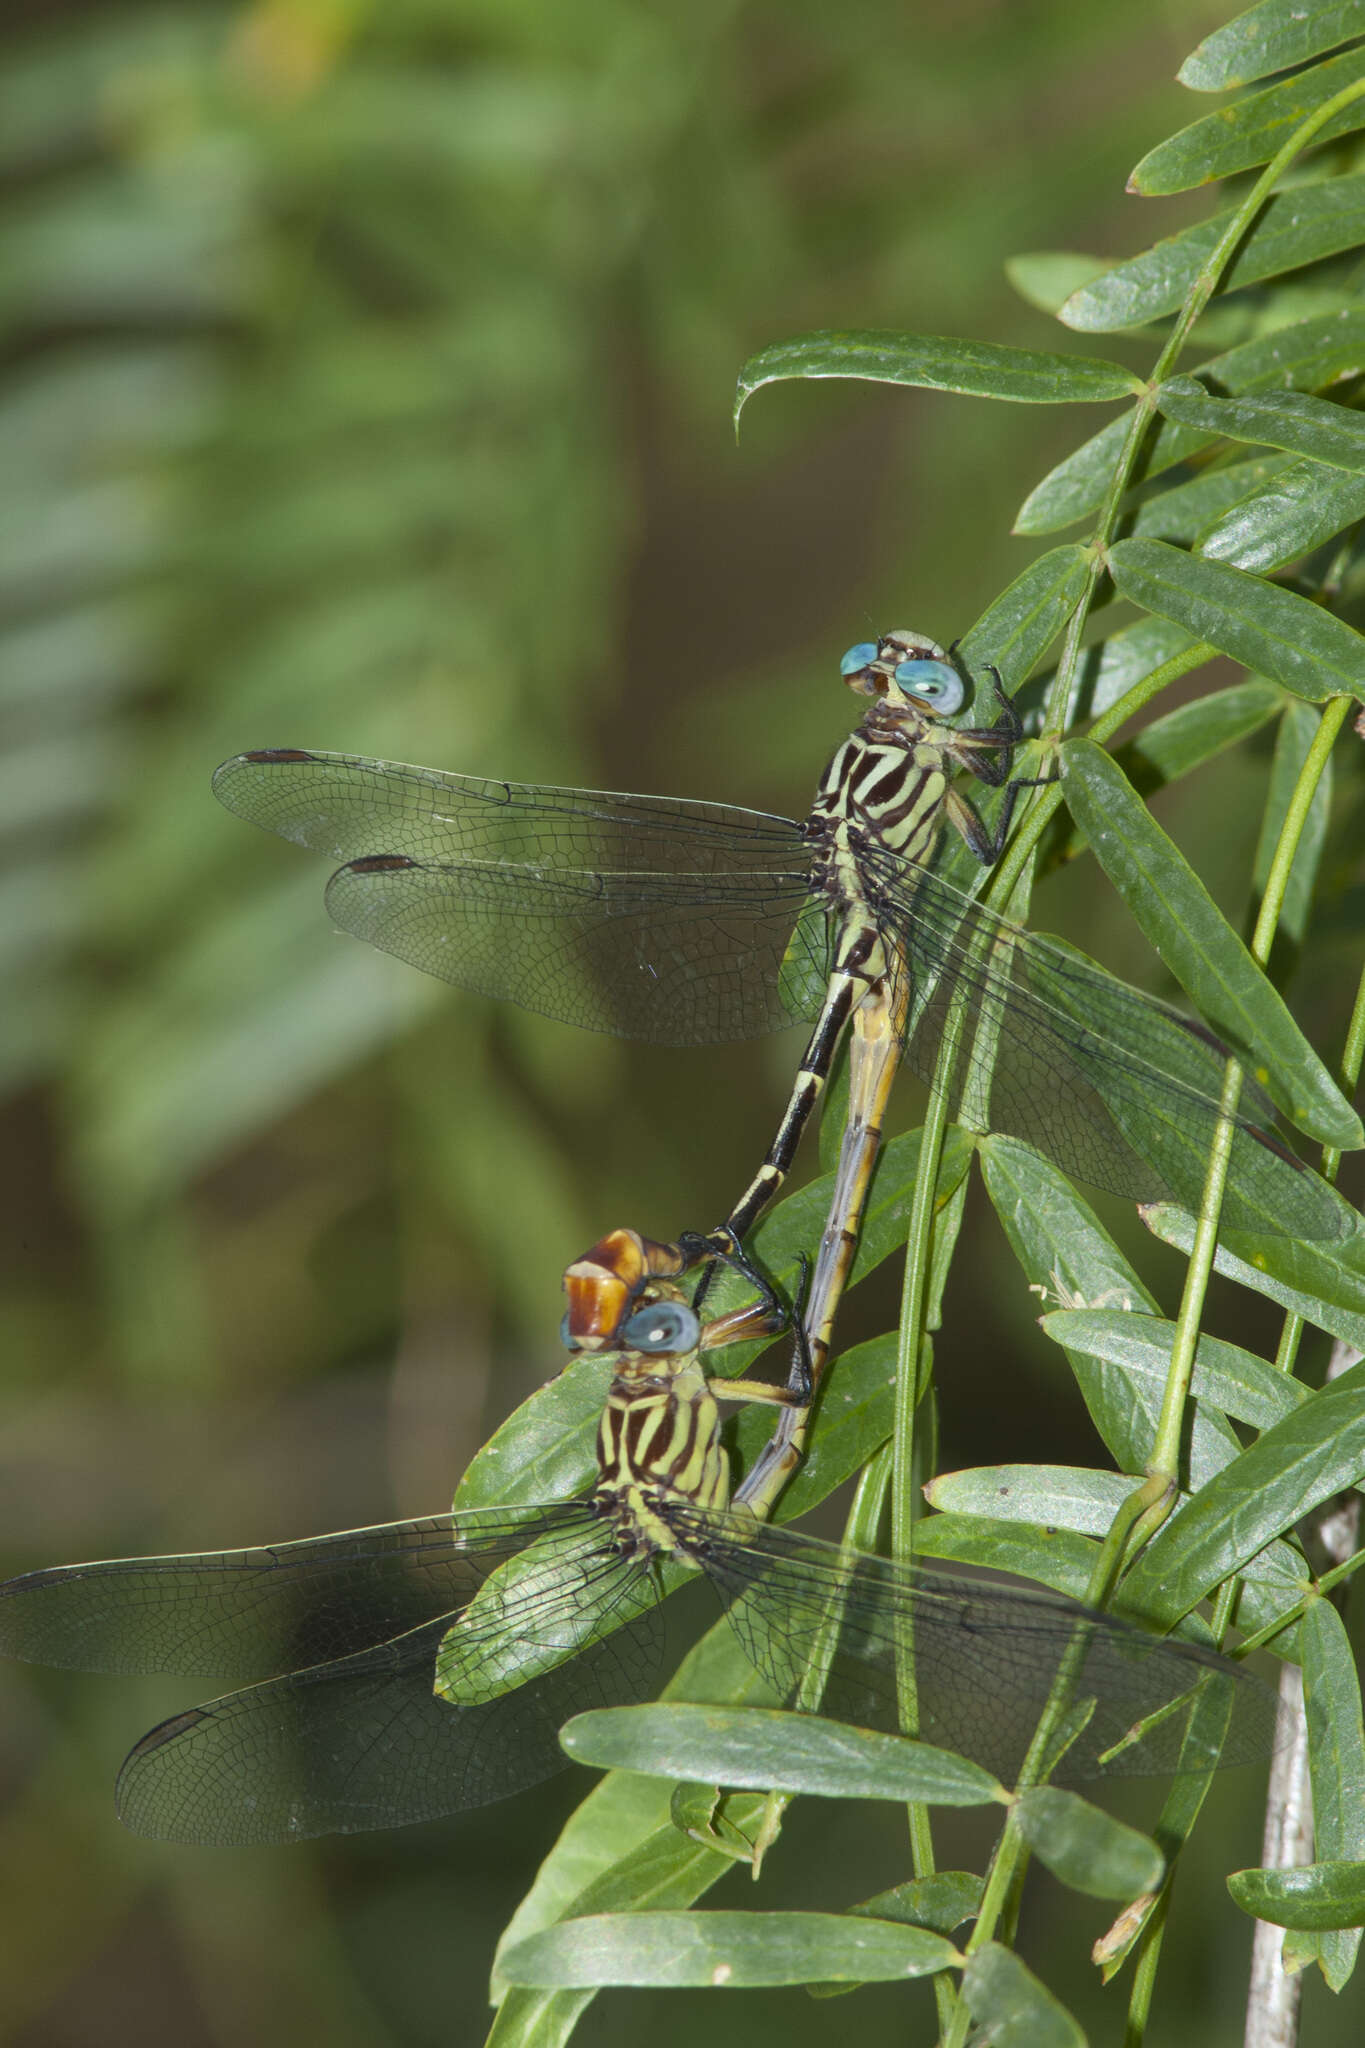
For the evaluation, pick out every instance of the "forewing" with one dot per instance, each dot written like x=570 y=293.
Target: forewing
x=1113 y=1085
x=238 y=1614
x=649 y=917
x=345 y=806
x=985 y=1656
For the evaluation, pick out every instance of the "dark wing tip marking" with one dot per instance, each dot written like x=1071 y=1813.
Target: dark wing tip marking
x=266 y=756
x=164 y=1732
x=379 y=864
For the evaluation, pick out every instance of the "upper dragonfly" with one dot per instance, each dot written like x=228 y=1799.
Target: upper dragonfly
x=692 y=923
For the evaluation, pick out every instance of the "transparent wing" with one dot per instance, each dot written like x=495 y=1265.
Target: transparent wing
x=648 y=917
x=1113 y=1085
x=985 y=1656
x=345 y=806
x=674 y=960
x=240 y=1614
x=354 y=1737
x=363 y=1742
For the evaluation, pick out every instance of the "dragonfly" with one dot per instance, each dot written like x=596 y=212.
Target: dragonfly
x=691 y=922
x=395 y=1674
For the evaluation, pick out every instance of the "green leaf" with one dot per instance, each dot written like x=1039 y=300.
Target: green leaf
x=1305 y=356
x=1274 y=631
x=1293 y=742
x=1251 y=130
x=1050 y=1556
x=1195 y=940
x=936 y=362
x=1050 y=1496
x=1046 y=277
x=978 y=1506
x=1248 y=1388
x=1011 y=2007
x=1275 y=35
x=1070 y=1258
x=1302 y=1460
x=1186 y=738
x=545 y=1449
x=1295 y=227
x=762 y=1749
x=734 y=1951
x=1292 y=420
x=940 y=1902
x=1322 y=1282
x=621 y=1849
x=1181 y=512
x=1113 y=666
x=1311 y=1895
x=1336 y=1758
x=1088 y=1850
x=1285 y=518
x=1018 y=627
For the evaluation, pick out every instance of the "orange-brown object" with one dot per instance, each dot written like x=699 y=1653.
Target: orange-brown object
x=612 y=1278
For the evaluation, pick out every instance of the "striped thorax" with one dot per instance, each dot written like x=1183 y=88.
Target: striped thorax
x=658 y=1442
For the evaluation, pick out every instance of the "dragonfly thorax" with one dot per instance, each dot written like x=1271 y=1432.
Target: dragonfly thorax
x=658 y=1444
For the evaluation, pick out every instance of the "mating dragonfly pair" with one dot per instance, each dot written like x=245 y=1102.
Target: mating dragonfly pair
x=691 y=923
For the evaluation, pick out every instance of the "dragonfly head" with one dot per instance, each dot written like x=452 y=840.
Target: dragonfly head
x=622 y=1285
x=909 y=670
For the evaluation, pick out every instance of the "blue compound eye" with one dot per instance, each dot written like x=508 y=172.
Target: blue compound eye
x=858 y=657
x=664 y=1326
x=934 y=682
x=564 y=1337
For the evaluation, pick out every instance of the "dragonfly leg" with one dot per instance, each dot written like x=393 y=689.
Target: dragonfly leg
x=749 y=1323
x=987 y=752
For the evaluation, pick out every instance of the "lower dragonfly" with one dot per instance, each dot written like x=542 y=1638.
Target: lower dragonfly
x=422 y=1667
x=692 y=923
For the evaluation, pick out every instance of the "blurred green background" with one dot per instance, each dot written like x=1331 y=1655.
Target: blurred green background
x=366 y=385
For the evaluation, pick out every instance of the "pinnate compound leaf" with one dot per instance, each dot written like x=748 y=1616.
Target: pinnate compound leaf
x=1273 y=631
x=1193 y=937
x=1315 y=1896
x=1305 y=356
x=1249 y=132
x=938 y=362
x=1292 y=420
x=1011 y=2007
x=1086 y=1848
x=1303 y=1460
x=1272 y=36
x=733 y=1951
x=1295 y=227
x=763 y=1749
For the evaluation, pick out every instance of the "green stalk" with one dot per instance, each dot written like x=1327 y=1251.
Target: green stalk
x=904 y=1493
